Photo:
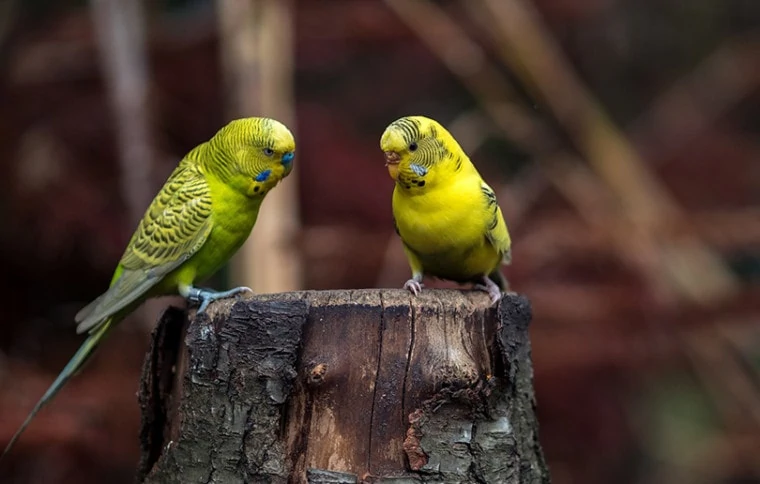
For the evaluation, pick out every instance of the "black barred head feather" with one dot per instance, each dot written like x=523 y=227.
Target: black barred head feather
x=251 y=154
x=421 y=145
x=409 y=129
x=423 y=139
x=258 y=132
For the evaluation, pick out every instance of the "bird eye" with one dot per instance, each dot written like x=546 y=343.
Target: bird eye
x=268 y=151
x=413 y=147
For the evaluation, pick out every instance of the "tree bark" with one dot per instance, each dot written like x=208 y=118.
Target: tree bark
x=343 y=387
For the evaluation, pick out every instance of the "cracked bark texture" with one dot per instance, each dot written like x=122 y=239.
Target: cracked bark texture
x=343 y=387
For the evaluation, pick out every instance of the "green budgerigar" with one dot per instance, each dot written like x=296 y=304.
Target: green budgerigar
x=199 y=219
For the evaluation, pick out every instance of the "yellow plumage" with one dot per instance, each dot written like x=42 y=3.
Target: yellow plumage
x=446 y=215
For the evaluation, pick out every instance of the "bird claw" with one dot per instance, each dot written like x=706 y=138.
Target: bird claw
x=206 y=296
x=413 y=286
x=491 y=288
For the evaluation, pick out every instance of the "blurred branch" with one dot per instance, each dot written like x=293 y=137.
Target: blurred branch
x=735 y=391
x=467 y=60
x=734 y=387
x=278 y=267
x=120 y=29
x=559 y=236
x=576 y=336
x=634 y=235
x=489 y=87
x=8 y=14
x=730 y=229
x=729 y=75
x=599 y=206
x=121 y=36
x=471 y=129
x=257 y=58
x=523 y=192
x=528 y=49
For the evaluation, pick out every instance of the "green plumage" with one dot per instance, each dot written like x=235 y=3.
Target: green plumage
x=199 y=219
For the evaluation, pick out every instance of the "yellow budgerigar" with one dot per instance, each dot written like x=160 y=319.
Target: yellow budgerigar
x=446 y=215
x=199 y=219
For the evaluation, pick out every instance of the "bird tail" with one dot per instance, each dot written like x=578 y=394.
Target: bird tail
x=71 y=369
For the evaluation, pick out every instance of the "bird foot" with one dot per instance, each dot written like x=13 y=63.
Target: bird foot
x=206 y=296
x=491 y=288
x=413 y=286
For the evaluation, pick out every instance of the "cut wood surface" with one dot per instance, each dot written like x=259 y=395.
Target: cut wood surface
x=343 y=386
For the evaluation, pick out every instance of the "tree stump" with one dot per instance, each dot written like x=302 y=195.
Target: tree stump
x=342 y=387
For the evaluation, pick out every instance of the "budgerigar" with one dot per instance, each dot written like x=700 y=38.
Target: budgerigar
x=201 y=216
x=447 y=217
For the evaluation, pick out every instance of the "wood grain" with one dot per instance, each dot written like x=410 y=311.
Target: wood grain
x=343 y=386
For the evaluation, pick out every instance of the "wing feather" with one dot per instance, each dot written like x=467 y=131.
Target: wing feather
x=174 y=227
x=496 y=231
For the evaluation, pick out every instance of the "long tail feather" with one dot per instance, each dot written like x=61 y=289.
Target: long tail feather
x=71 y=369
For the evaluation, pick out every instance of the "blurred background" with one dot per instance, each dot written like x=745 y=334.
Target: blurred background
x=621 y=137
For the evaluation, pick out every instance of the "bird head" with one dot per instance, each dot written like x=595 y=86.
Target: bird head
x=255 y=154
x=415 y=147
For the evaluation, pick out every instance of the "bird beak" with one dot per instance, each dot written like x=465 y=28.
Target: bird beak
x=392 y=160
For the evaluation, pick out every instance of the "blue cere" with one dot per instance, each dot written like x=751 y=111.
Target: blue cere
x=263 y=176
x=288 y=157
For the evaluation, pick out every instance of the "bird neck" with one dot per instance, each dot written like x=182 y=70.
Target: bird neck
x=213 y=162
